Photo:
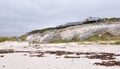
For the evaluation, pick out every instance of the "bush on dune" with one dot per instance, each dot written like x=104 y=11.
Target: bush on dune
x=23 y=37
x=111 y=19
x=117 y=42
x=3 y=39
x=104 y=37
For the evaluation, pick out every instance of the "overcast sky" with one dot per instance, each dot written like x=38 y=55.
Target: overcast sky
x=20 y=16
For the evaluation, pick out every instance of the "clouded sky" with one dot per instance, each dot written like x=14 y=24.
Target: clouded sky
x=20 y=16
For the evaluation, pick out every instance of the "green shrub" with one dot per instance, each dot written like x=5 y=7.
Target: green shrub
x=47 y=29
x=65 y=41
x=104 y=37
x=117 y=42
x=3 y=39
x=95 y=38
x=12 y=38
x=111 y=19
x=23 y=37
x=40 y=31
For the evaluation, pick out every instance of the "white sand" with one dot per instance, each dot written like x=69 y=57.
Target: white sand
x=20 y=61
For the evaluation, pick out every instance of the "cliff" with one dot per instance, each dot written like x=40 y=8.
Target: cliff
x=75 y=33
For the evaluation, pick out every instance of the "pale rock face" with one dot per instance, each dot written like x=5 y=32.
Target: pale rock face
x=114 y=30
x=81 y=32
x=90 y=31
x=51 y=36
x=68 y=34
x=46 y=38
x=33 y=38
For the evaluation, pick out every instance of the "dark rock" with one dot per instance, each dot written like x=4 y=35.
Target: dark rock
x=71 y=56
x=2 y=51
x=109 y=63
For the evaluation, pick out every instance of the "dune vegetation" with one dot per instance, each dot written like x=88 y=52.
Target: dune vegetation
x=2 y=39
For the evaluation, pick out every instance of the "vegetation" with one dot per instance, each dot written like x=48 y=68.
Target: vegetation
x=2 y=39
x=40 y=31
x=66 y=41
x=117 y=42
x=104 y=37
x=47 y=29
x=14 y=38
x=23 y=37
x=111 y=19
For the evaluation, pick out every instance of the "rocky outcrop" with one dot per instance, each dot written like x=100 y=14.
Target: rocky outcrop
x=80 y=32
x=44 y=37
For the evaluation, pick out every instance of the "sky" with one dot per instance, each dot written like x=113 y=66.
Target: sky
x=18 y=17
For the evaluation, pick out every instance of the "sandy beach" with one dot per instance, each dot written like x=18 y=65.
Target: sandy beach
x=59 y=56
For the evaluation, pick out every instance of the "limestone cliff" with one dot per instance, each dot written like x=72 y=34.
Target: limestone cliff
x=79 y=32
